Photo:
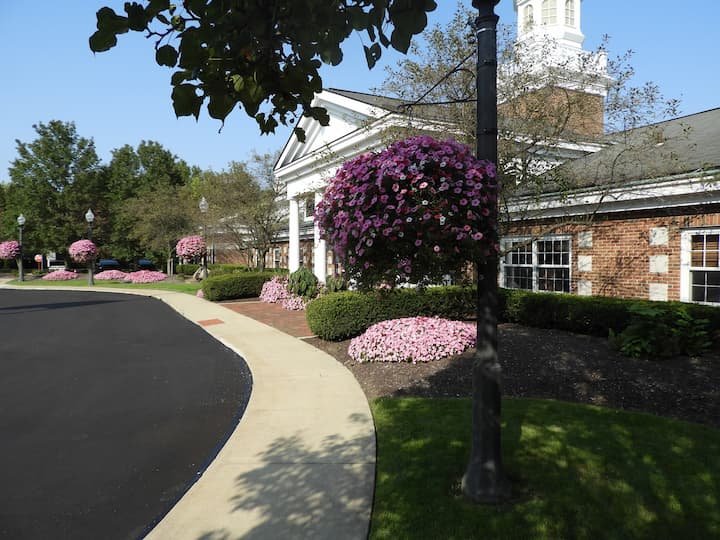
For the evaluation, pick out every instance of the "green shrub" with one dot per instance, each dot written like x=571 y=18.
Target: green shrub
x=342 y=315
x=232 y=286
x=658 y=331
x=303 y=283
x=186 y=269
x=336 y=284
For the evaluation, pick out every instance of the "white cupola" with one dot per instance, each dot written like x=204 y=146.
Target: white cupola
x=558 y=19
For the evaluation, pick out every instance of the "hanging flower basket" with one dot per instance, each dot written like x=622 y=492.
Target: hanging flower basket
x=191 y=247
x=9 y=250
x=83 y=251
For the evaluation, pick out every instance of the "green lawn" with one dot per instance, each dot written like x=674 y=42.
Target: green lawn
x=578 y=472
x=184 y=287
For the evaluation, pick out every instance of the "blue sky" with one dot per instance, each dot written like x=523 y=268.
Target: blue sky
x=122 y=97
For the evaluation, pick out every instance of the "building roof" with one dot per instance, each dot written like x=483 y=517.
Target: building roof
x=678 y=146
x=394 y=105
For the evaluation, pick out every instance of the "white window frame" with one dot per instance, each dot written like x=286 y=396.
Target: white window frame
x=528 y=18
x=686 y=267
x=570 y=13
x=549 y=12
x=535 y=266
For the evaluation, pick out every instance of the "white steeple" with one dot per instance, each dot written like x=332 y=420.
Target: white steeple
x=558 y=19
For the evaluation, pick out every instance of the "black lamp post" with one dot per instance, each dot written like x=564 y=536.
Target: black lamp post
x=21 y=224
x=204 y=206
x=484 y=480
x=90 y=217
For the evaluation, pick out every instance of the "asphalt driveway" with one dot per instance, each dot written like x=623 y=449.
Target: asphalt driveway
x=110 y=407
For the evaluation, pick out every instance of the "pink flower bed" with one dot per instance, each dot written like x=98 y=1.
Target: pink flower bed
x=111 y=275
x=275 y=290
x=145 y=276
x=83 y=251
x=412 y=339
x=9 y=249
x=60 y=275
x=294 y=303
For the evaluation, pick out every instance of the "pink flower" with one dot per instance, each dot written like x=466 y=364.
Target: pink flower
x=60 y=275
x=190 y=247
x=275 y=290
x=9 y=250
x=83 y=251
x=111 y=275
x=145 y=276
x=436 y=249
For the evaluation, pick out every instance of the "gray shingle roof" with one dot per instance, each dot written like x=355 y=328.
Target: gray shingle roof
x=678 y=146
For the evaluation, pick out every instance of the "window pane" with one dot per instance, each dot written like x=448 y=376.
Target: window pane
x=712 y=294
x=697 y=258
x=698 y=294
x=570 y=12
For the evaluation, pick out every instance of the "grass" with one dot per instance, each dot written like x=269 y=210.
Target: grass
x=577 y=471
x=183 y=287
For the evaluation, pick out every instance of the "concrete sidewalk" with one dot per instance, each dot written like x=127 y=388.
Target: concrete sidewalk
x=301 y=462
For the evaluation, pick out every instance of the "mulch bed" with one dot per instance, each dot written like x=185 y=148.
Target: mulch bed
x=553 y=364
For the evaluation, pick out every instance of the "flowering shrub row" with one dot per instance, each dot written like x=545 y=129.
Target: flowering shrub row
x=294 y=303
x=60 y=275
x=411 y=213
x=9 y=249
x=111 y=275
x=191 y=247
x=275 y=290
x=83 y=251
x=412 y=339
x=145 y=276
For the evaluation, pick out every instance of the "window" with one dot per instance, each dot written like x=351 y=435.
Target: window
x=537 y=265
x=549 y=11
x=276 y=258
x=309 y=208
x=528 y=18
x=569 y=12
x=705 y=267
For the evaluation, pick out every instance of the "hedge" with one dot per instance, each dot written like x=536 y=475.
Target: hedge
x=223 y=269
x=347 y=314
x=238 y=285
x=343 y=315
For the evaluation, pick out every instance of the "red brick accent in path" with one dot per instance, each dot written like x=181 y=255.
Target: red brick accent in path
x=210 y=322
x=290 y=322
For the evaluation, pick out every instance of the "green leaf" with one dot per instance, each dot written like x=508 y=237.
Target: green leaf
x=400 y=40
x=238 y=82
x=181 y=76
x=372 y=54
x=166 y=56
x=186 y=102
x=136 y=18
x=300 y=134
x=102 y=41
x=332 y=56
x=220 y=105
x=109 y=21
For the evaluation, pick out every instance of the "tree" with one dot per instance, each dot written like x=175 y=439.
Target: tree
x=132 y=175
x=246 y=204
x=53 y=181
x=258 y=54
x=158 y=218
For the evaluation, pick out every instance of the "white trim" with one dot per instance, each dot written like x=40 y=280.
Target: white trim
x=686 y=261
x=535 y=265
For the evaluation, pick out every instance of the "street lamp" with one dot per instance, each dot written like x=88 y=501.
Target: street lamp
x=90 y=217
x=204 y=206
x=21 y=224
x=485 y=480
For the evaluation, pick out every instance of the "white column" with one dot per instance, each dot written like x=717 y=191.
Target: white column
x=294 y=248
x=319 y=249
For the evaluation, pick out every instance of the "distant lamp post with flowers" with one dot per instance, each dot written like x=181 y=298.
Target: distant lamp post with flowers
x=21 y=270
x=90 y=217
x=204 y=206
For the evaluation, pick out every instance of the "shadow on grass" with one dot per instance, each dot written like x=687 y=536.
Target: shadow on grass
x=578 y=472
x=323 y=491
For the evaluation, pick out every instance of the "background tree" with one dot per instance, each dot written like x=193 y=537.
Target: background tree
x=53 y=182
x=168 y=213
x=138 y=174
x=259 y=54
x=246 y=205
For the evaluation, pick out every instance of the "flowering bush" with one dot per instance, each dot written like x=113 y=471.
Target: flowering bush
x=145 y=276
x=200 y=293
x=191 y=247
x=294 y=303
x=60 y=275
x=275 y=290
x=412 y=339
x=9 y=249
x=83 y=251
x=111 y=275
x=411 y=213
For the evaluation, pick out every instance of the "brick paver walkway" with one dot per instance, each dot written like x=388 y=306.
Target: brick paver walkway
x=290 y=322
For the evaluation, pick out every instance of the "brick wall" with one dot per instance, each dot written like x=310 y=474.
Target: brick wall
x=628 y=255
